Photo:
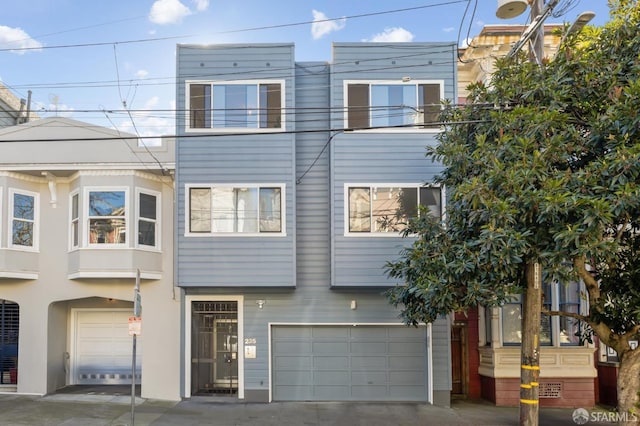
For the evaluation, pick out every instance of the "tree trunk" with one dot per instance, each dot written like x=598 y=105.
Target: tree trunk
x=629 y=388
x=530 y=349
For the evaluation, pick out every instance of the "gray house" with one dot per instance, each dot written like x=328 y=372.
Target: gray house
x=293 y=183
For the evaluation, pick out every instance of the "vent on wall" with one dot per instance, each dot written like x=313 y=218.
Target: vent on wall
x=550 y=390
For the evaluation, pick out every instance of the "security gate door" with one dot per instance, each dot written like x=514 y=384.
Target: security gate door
x=214 y=340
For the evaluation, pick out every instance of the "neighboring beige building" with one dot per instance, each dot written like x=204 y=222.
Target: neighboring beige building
x=14 y=110
x=489 y=358
x=477 y=61
x=82 y=209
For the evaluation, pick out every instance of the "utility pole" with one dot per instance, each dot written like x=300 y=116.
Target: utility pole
x=532 y=303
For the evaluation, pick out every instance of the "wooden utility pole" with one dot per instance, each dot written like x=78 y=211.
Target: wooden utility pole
x=532 y=303
x=530 y=349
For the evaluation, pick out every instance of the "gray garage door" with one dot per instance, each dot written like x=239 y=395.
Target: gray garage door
x=347 y=363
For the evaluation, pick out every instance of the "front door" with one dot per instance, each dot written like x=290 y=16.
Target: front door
x=459 y=376
x=214 y=347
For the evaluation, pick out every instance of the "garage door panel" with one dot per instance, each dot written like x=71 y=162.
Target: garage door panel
x=287 y=348
x=332 y=378
x=299 y=363
x=291 y=333
x=293 y=378
x=332 y=333
x=368 y=347
x=367 y=333
x=331 y=393
x=363 y=363
x=370 y=393
x=407 y=348
x=407 y=378
x=369 y=378
x=405 y=392
x=331 y=363
x=406 y=363
x=368 y=363
x=294 y=393
x=330 y=348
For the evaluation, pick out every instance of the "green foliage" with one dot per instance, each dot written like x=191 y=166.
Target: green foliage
x=547 y=169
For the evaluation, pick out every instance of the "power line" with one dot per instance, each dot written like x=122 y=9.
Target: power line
x=261 y=134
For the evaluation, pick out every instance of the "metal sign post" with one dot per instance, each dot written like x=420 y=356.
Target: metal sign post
x=135 y=325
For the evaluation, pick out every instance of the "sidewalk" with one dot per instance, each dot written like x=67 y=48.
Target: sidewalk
x=99 y=410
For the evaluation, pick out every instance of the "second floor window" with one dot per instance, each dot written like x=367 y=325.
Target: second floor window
x=235 y=105
x=228 y=210
x=387 y=209
x=147 y=219
x=107 y=217
x=23 y=219
x=392 y=104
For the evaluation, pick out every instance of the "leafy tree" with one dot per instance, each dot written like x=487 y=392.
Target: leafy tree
x=542 y=168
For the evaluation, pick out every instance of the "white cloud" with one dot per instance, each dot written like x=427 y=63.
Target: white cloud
x=393 y=35
x=142 y=73
x=168 y=12
x=448 y=29
x=201 y=5
x=466 y=42
x=321 y=26
x=18 y=39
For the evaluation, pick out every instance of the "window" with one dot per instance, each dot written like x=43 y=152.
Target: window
x=555 y=330
x=107 y=217
x=235 y=209
x=75 y=221
x=393 y=104
x=569 y=301
x=24 y=210
x=236 y=105
x=387 y=209
x=148 y=219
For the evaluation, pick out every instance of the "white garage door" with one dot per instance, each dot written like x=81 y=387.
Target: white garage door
x=103 y=348
x=345 y=363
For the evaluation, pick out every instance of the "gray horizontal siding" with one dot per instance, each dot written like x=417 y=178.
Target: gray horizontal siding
x=373 y=159
x=376 y=157
x=254 y=158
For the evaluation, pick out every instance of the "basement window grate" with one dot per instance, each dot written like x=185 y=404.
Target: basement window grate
x=550 y=390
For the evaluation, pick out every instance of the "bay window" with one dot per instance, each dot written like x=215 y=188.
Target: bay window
x=392 y=104
x=236 y=105
x=75 y=220
x=238 y=209
x=556 y=330
x=147 y=219
x=107 y=217
x=387 y=209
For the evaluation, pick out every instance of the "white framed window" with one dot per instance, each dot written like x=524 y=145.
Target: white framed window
x=24 y=210
x=233 y=105
x=106 y=212
x=556 y=330
x=393 y=104
x=235 y=209
x=148 y=219
x=74 y=214
x=385 y=209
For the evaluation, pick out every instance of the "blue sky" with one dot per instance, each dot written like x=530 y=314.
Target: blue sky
x=83 y=58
